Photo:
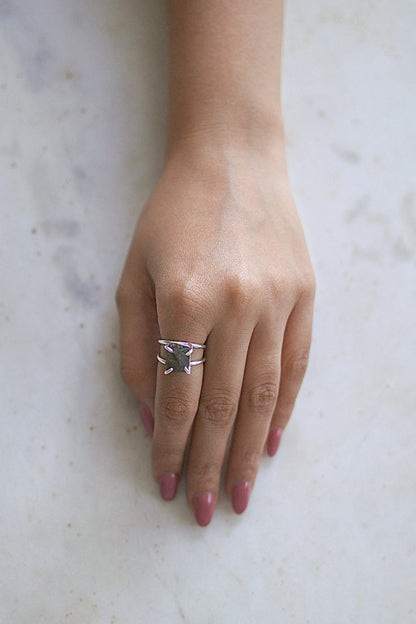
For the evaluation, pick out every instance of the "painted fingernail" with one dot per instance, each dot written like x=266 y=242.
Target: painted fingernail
x=168 y=486
x=275 y=436
x=204 y=505
x=240 y=496
x=147 y=419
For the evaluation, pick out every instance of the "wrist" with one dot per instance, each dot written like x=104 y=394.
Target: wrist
x=259 y=136
x=218 y=157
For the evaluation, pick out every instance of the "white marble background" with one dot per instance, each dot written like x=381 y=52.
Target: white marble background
x=329 y=536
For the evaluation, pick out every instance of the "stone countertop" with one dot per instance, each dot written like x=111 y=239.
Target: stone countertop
x=329 y=535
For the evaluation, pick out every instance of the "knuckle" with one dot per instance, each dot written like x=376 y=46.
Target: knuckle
x=178 y=291
x=293 y=283
x=208 y=475
x=176 y=409
x=122 y=295
x=297 y=364
x=218 y=410
x=129 y=376
x=127 y=296
x=130 y=372
x=280 y=287
x=262 y=396
x=181 y=297
x=285 y=407
x=166 y=456
x=240 y=292
x=275 y=289
x=251 y=460
x=307 y=284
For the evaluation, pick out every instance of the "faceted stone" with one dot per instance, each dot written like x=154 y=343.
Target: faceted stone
x=178 y=360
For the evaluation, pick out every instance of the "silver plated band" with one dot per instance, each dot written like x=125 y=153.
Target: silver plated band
x=178 y=355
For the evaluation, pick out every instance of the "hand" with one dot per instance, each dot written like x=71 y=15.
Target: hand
x=218 y=257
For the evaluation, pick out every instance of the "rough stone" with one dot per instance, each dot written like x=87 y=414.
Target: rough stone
x=178 y=360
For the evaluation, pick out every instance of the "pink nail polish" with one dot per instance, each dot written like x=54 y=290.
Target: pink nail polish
x=273 y=442
x=168 y=485
x=147 y=419
x=204 y=505
x=240 y=496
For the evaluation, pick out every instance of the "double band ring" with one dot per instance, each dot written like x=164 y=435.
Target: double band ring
x=178 y=356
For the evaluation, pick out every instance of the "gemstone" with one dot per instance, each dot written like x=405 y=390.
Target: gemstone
x=178 y=359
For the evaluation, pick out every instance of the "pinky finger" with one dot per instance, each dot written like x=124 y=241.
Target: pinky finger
x=147 y=419
x=295 y=355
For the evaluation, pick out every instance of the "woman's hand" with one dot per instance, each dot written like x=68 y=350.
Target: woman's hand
x=218 y=257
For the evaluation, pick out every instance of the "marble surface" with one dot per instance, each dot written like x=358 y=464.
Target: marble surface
x=329 y=536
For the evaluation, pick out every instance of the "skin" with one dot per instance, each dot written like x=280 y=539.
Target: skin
x=219 y=257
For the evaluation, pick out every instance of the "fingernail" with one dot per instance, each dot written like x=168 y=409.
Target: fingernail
x=275 y=436
x=147 y=419
x=204 y=505
x=168 y=485
x=240 y=496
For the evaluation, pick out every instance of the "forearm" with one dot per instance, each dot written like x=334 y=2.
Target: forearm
x=224 y=80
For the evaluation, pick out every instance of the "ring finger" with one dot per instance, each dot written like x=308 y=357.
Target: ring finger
x=258 y=399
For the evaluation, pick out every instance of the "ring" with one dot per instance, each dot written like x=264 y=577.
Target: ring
x=178 y=356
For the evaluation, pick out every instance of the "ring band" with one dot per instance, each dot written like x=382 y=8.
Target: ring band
x=178 y=356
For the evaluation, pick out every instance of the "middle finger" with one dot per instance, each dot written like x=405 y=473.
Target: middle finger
x=226 y=352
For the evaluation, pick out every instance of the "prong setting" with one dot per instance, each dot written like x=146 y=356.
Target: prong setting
x=178 y=356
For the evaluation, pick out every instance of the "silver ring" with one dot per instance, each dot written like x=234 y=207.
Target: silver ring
x=178 y=356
